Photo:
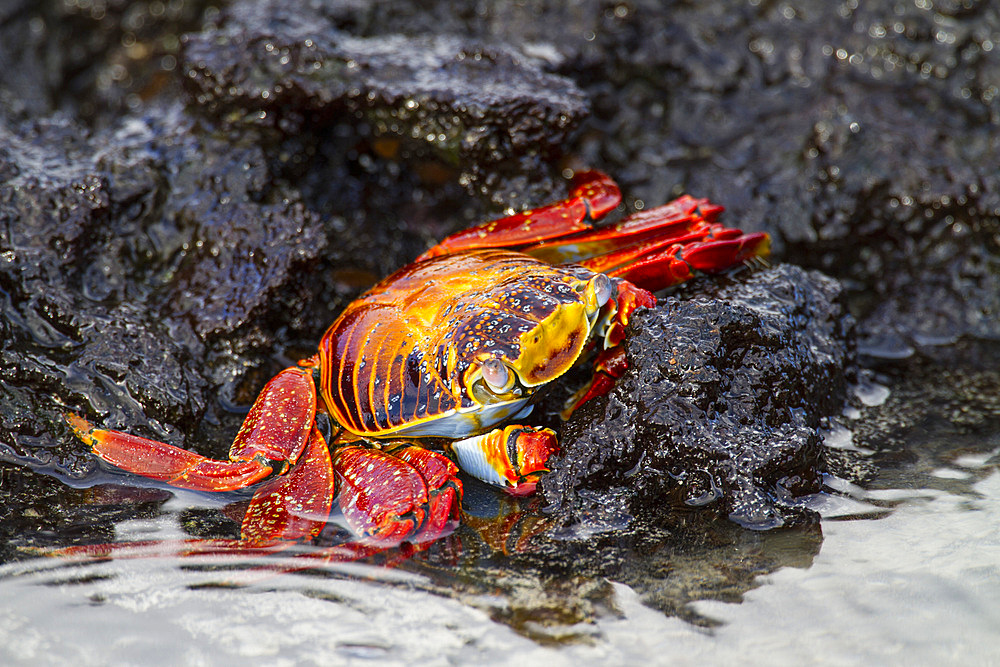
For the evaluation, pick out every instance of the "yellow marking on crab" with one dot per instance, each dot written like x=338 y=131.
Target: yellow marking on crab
x=552 y=347
x=84 y=430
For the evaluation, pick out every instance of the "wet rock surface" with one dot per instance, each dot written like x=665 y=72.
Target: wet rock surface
x=720 y=408
x=108 y=249
x=94 y=60
x=476 y=105
x=943 y=411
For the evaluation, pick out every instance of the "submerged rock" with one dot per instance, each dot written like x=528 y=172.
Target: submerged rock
x=721 y=408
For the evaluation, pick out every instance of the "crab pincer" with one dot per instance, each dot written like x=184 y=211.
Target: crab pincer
x=411 y=494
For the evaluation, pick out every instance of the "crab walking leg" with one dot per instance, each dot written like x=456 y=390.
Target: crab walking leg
x=293 y=506
x=273 y=436
x=513 y=457
x=610 y=362
x=679 y=262
x=592 y=196
x=444 y=506
x=659 y=247
x=609 y=365
x=684 y=217
x=166 y=463
x=625 y=302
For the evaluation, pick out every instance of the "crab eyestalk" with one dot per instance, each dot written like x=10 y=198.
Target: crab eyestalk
x=512 y=458
x=496 y=375
x=598 y=292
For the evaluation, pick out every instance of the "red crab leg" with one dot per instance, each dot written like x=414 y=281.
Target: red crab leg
x=274 y=432
x=669 y=221
x=679 y=262
x=445 y=490
x=629 y=298
x=593 y=194
x=609 y=365
x=296 y=505
x=388 y=498
x=166 y=463
x=660 y=247
x=626 y=255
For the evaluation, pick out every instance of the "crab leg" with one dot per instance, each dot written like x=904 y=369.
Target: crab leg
x=679 y=218
x=593 y=194
x=609 y=365
x=273 y=436
x=660 y=247
x=444 y=489
x=680 y=262
x=654 y=249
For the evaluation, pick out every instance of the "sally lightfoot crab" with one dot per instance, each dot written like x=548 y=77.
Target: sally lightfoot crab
x=449 y=347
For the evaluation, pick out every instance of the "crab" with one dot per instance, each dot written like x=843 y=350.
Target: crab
x=449 y=348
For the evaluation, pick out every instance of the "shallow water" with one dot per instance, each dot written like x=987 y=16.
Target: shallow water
x=907 y=573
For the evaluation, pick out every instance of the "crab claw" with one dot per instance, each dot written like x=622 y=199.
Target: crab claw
x=296 y=505
x=513 y=457
x=409 y=494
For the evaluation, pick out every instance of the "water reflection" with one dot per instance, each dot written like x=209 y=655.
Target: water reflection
x=919 y=583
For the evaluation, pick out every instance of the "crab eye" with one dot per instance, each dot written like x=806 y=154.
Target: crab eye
x=496 y=375
x=601 y=288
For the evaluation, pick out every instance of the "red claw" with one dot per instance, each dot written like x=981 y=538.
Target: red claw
x=296 y=505
x=412 y=494
x=535 y=447
x=511 y=457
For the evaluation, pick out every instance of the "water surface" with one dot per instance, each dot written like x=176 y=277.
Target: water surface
x=918 y=583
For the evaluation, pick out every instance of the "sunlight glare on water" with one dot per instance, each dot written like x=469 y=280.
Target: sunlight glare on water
x=919 y=584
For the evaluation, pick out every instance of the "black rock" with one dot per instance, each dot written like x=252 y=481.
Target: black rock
x=480 y=106
x=136 y=277
x=720 y=408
